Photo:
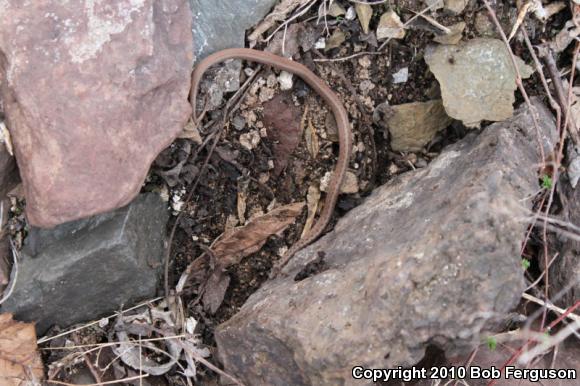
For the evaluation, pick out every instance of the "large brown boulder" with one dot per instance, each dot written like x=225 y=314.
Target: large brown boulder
x=431 y=258
x=92 y=92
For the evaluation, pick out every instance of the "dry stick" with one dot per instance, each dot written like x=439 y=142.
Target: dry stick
x=45 y=339
x=377 y=2
x=100 y=383
x=571 y=316
x=553 y=341
x=559 y=87
x=13 y=274
x=540 y=72
x=552 y=325
x=535 y=283
x=235 y=100
x=409 y=22
x=92 y=368
x=299 y=13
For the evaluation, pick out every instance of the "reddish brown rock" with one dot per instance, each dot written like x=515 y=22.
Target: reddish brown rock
x=92 y=92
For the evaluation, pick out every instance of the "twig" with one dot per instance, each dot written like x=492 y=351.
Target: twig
x=552 y=341
x=540 y=72
x=109 y=344
x=299 y=13
x=375 y=2
x=535 y=283
x=427 y=9
x=13 y=274
x=65 y=333
x=344 y=58
x=559 y=87
x=551 y=307
x=92 y=369
x=118 y=381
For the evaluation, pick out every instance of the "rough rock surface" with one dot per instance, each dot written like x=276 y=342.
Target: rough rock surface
x=88 y=268
x=477 y=79
x=429 y=258
x=223 y=24
x=92 y=93
x=412 y=125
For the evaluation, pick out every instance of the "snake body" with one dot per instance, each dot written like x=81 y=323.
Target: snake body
x=340 y=114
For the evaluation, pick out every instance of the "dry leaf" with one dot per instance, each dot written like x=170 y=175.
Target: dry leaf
x=335 y=10
x=312 y=200
x=364 y=13
x=312 y=143
x=335 y=40
x=282 y=120
x=190 y=131
x=5 y=138
x=242 y=198
x=234 y=245
x=215 y=290
x=20 y=363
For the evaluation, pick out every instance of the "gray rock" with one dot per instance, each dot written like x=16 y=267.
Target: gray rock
x=92 y=93
x=429 y=258
x=84 y=269
x=477 y=79
x=223 y=24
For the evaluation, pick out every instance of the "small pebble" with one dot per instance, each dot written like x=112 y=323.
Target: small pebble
x=250 y=140
x=285 y=80
x=401 y=76
x=350 y=13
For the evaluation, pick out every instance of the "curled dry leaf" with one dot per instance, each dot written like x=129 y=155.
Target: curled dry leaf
x=312 y=143
x=20 y=363
x=234 y=245
x=312 y=200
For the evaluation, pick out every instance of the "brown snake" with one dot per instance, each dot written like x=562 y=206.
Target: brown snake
x=340 y=114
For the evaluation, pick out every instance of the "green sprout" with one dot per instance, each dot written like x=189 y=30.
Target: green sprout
x=546 y=182
x=491 y=343
x=525 y=264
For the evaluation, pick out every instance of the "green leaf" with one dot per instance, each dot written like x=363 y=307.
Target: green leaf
x=546 y=182
x=525 y=264
x=491 y=343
